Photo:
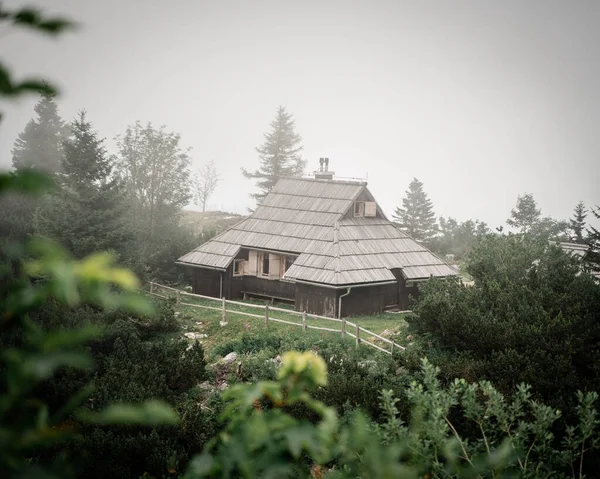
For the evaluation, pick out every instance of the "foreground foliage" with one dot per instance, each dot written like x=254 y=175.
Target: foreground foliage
x=532 y=316
x=465 y=430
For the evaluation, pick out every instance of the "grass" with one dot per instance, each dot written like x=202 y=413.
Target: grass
x=196 y=319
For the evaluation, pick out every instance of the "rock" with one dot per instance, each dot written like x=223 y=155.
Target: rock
x=195 y=335
x=276 y=360
x=231 y=357
x=223 y=386
x=389 y=332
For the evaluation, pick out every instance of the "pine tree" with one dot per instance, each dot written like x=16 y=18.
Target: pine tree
x=40 y=145
x=87 y=213
x=577 y=223
x=525 y=214
x=416 y=217
x=593 y=240
x=279 y=155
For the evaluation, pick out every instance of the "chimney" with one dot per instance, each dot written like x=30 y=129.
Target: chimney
x=323 y=172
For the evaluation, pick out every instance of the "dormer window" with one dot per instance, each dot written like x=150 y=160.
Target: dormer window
x=365 y=208
x=359 y=208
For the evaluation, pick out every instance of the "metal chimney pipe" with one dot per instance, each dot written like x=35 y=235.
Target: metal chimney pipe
x=321 y=161
x=326 y=164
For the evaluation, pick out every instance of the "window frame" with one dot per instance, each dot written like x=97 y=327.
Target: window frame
x=361 y=209
x=239 y=262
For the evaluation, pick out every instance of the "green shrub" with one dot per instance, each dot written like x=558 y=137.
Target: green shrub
x=530 y=317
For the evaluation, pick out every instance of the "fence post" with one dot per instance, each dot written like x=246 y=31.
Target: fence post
x=151 y=287
x=392 y=347
x=223 y=313
x=304 y=321
x=357 y=335
x=266 y=315
x=178 y=298
x=343 y=327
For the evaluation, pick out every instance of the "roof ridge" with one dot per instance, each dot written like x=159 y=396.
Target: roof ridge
x=315 y=180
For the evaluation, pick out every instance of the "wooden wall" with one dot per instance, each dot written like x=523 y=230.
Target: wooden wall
x=207 y=282
x=316 y=300
x=310 y=298
x=406 y=293
x=368 y=300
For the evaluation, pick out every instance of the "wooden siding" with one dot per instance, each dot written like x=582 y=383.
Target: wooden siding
x=368 y=300
x=316 y=300
x=207 y=282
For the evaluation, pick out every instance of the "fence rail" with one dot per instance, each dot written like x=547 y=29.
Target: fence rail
x=168 y=292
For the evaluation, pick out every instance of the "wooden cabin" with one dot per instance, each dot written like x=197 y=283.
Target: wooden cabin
x=318 y=243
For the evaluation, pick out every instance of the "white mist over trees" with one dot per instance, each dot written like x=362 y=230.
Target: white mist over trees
x=156 y=171
x=525 y=214
x=279 y=155
x=40 y=145
x=88 y=211
x=204 y=183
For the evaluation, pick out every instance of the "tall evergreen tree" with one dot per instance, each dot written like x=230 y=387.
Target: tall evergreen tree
x=40 y=145
x=279 y=155
x=593 y=255
x=577 y=223
x=416 y=217
x=525 y=214
x=87 y=213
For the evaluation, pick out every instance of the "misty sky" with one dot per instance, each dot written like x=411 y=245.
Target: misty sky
x=480 y=100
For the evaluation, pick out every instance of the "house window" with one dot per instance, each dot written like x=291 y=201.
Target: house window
x=238 y=267
x=359 y=208
x=265 y=264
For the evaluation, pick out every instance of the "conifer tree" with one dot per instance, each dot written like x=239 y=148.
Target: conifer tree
x=416 y=217
x=87 y=213
x=593 y=254
x=40 y=145
x=577 y=223
x=526 y=213
x=279 y=155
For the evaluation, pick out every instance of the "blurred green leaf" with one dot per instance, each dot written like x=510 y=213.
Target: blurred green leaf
x=43 y=365
x=27 y=181
x=149 y=413
x=33 y=18
x=70 y=338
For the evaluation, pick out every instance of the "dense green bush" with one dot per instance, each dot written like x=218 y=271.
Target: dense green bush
x=531 y=316
x=514 y=438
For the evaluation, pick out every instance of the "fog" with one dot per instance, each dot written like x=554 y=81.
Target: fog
x=480 y=100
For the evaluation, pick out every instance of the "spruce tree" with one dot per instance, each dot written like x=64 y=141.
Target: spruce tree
x=279 y=155
x=40 y=145
x=577 y=223
x=592 y=257
x=87 y=212
x=526 y=213
x=416 y=217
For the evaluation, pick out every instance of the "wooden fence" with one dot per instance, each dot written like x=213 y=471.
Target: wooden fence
x=346 y=328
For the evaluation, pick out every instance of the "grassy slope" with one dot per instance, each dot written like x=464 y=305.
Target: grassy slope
x=205 y=321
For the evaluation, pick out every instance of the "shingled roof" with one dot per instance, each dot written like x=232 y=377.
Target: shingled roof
x=308 y=217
